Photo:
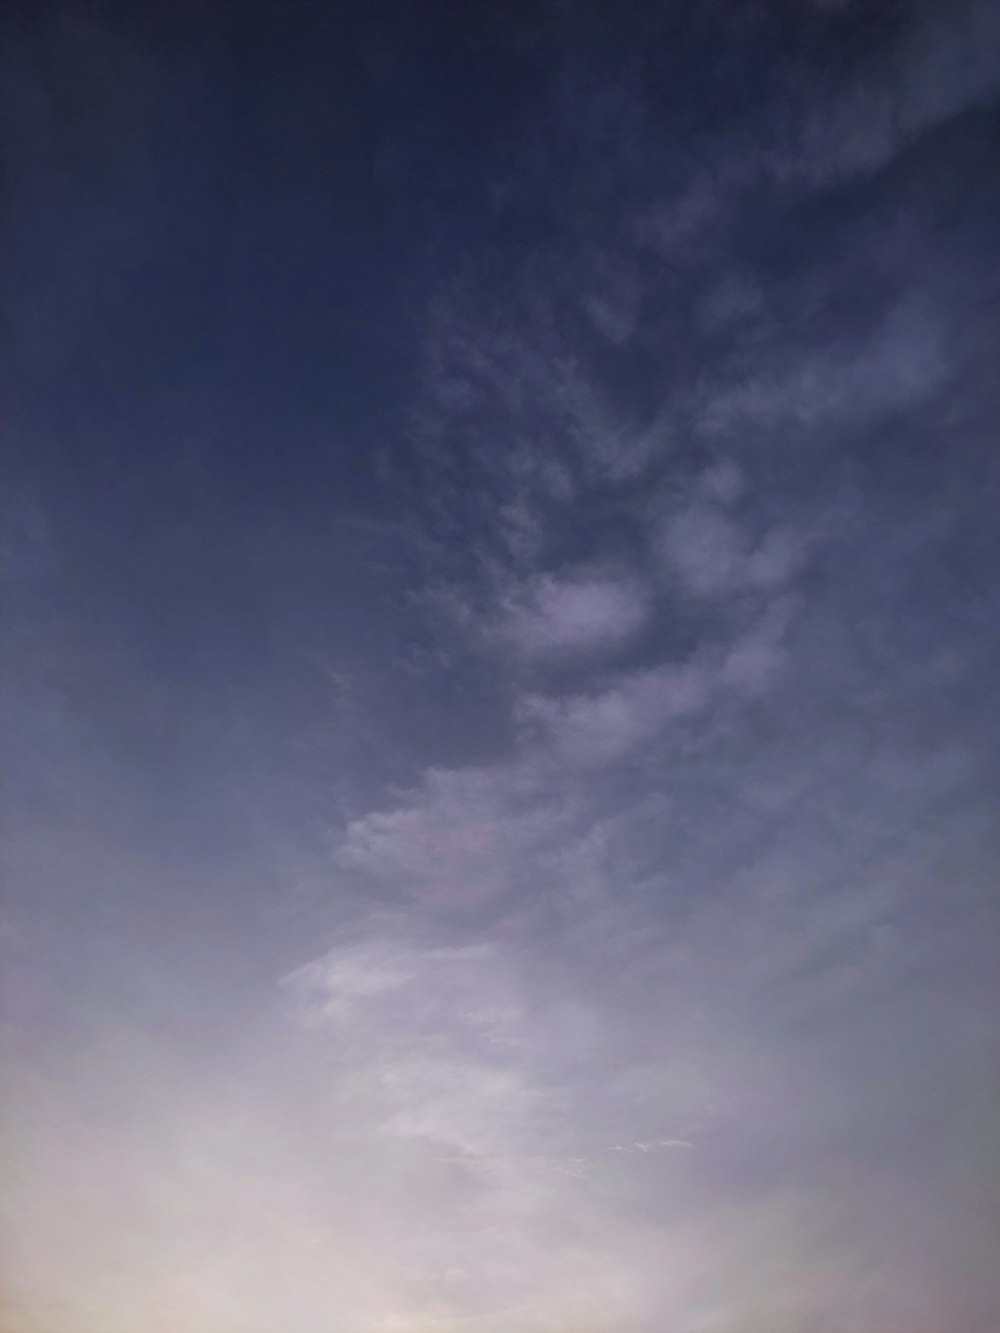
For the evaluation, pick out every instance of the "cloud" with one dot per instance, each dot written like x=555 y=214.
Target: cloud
x=521 y=1239
x=708 y=551
x=601 y=728
x=561 y=616
x=754 y=661
x=425 y=988
x=902 y=362
x=948 y=67
x=613 y=305
x=459 y=838
x=705 y=549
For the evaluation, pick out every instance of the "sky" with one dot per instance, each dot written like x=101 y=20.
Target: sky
x=499 y=667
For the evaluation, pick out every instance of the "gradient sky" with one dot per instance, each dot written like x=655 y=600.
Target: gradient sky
x=500 y=706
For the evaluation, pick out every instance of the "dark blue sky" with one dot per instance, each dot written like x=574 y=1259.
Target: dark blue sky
x=499 y=684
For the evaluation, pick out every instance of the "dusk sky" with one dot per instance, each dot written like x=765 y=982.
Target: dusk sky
x=500 y=690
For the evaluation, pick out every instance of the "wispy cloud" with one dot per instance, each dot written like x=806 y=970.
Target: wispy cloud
x=556 y=616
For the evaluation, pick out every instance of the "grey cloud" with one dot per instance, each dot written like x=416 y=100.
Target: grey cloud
x=459 y=839
x=904 y=361
x=705 y=549
x=601 y=728
x=566 y=614
x=710 y=555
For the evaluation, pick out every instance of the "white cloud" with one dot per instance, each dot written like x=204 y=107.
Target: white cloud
x=457 y=838
x=559 y=616
x=705 y=550
x=709 y=554
x=419 y=989
x=521 y=1236
x=597 y=729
